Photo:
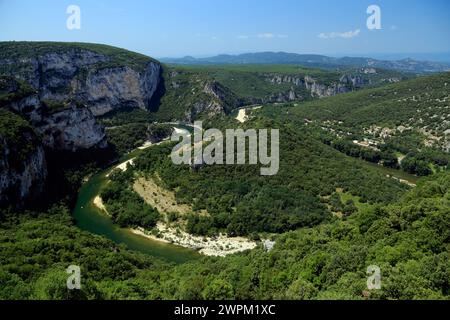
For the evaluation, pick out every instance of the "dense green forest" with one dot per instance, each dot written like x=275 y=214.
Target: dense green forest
x=130 y=136
x=406 y=120
x=126 y=208
x=408 y=240
x=241 y=202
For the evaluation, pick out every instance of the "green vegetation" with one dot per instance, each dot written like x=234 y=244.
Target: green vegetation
x=36 y=249
x=252 y=81
x=54 y=105
x=409 y=118
x=12 y=90
x=408 y=240
x=127 y=137
x=331 y=209
x=242 y=202
x=18 y=136
x=124 y=116
x=415 y=166
x=125 y=207
x=417 y=103
x=186 y=93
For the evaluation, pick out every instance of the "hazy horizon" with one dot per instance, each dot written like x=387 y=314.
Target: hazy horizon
x=206 y=28
x=422 y=56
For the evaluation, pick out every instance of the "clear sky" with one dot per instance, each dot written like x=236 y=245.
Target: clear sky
x=175 y=28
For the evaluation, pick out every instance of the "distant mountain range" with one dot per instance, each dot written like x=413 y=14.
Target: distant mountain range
x=314 y=60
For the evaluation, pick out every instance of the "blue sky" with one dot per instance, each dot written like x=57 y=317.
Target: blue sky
x=207 y=27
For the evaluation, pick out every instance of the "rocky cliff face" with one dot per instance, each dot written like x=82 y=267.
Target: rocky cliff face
x=25 y=183
x=345 y=84
x=50 y=94
x=23 y=168
x=107 y=89
x=70 y=127
x=87 y=77
x=214 y=100
x=321 y=90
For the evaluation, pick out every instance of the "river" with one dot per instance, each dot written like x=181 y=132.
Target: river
x=89 y=218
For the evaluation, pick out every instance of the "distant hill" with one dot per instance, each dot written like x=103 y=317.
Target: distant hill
x=420 y=103
x=314 y=60
x=410 y=118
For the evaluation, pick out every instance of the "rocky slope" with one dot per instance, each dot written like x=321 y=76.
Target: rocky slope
x=68 y=127
x=23 y=168
x=193 y=92
x=217 y=100
x=50 y=94
x=102 y=77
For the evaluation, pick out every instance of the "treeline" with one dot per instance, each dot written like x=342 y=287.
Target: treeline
x=419 y=158
x=415 y=162
x=387 y=158
x=45 y=244
x=130 y=136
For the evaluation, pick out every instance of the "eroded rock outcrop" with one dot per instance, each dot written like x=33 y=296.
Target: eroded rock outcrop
x=346 y=83
x=87 y=77
x=107 y=89
x=23 y=169
x=214 y=100
x=72 y=129
x=68 y=127
x=50 y=94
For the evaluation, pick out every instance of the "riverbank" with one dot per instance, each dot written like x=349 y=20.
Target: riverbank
x=91 y=216
x=98 y=202
x=219 y=246
x=164 y=201
x=242 y=116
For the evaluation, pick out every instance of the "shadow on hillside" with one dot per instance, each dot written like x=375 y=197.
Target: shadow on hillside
x=155 y=101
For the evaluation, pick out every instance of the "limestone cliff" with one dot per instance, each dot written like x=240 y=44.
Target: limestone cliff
x=68 y=127
x=23 y=168
x=214 y=99
x=316 y=88
x=72 y=129
x=103 y=78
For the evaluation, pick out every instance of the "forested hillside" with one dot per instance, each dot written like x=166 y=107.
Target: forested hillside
x=200 y=92
x=421 y=104
x=241 y=202
x=404 y=125
x=408 y=240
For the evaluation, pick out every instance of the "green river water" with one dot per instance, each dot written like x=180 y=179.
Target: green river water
x=89 y=218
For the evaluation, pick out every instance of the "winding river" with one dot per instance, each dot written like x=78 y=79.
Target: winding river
x=89 y=218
